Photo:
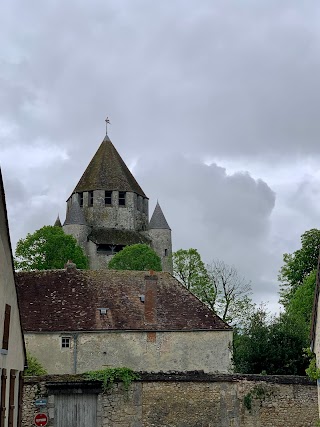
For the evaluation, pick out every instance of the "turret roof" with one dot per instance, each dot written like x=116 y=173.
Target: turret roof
x=107 y=171
x=75 y=215
x=58 y=222
x=158 y=220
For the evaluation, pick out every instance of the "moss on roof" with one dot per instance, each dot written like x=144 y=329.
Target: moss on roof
x=107 y=171
x=69 y=300
x=117 y=237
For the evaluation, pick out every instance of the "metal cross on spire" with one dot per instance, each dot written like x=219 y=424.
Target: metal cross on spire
x=107 y=123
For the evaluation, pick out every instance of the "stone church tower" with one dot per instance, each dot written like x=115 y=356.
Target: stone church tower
x=108 y=210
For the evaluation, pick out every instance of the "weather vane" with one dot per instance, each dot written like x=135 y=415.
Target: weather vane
x=107 y=123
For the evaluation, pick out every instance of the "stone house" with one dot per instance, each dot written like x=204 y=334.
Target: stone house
x=75 y=321
x=12 y=351
x=108 y=210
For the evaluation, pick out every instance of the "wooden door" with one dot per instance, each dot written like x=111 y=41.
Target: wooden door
x=75 y=410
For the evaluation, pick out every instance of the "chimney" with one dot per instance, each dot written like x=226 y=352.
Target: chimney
x=150 y=302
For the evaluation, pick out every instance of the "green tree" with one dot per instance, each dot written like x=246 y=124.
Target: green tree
x=190 y=270
x=34 y=367
x=232 y=301
x=271 y=344
x=48 y=248
x=298 y=265
x=138 y=257
x=301 y=302
x=217 y=285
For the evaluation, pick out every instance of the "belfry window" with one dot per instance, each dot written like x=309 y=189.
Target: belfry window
x=122 y=198
x=108 y=198
x=90 y=198
x=80 y=199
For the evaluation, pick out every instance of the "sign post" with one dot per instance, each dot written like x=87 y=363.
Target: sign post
x=41 y=420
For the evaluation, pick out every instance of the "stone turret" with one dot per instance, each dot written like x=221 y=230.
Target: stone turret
x=57 y=222
x=75 y=224
x=160 y=234
x=114 y=208
x=108 y=210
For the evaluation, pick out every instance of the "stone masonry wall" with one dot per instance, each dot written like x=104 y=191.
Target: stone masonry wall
x=190 y=399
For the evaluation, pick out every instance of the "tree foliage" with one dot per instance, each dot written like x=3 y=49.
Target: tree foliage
x=298 y=265
x=272 y=345
x=232 y=291
x=217 y=285
x=189 y=269
x=301 y=301
x=139 y=257
x=48 y=248
x=34 y=367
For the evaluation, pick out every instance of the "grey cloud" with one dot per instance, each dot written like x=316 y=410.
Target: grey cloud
x=223 y=216
x=234 y=80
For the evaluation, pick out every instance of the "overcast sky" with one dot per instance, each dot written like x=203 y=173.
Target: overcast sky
x=214 y=106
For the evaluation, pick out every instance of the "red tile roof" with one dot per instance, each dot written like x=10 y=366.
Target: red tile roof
x=69 y=300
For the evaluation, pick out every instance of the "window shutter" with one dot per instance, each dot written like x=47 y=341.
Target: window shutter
x=3 y=397
x=20 y=399
x=6 y=328
x=11 y=397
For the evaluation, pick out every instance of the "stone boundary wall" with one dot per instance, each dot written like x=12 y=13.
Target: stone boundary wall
x=189 y=399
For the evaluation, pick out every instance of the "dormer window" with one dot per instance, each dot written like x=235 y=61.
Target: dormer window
x=80 y=199
x=122 y=198
x=108 y=198
x=90 y=198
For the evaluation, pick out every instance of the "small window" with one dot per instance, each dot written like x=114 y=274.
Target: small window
x=65 y=342
x=90 y=198
x=166 y=252
x=122 y=198
x=6 y=327
x=81 y=199
x=108 y=198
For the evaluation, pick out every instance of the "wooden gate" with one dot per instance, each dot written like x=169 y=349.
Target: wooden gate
x=75 y=410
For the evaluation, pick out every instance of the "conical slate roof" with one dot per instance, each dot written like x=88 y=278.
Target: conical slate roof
x=58 y=222
x=158 y=220
x=107 y=171
x=75 y=215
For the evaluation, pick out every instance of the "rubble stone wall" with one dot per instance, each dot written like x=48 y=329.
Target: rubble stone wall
x=188 y=400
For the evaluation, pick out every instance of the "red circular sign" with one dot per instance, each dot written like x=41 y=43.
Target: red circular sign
x=41 y=420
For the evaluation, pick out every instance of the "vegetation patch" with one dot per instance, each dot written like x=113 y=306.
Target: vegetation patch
x=34 y=367
x=109 y=376
x=312 y=371
x=259 y=392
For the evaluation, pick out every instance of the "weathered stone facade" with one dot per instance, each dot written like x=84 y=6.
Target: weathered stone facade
x=108 y=210
x=143 y=350
x=188 y=400
x=12 y=352
x=147 y=322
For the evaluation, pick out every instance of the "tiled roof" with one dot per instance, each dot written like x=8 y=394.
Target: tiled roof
x=107 y=171
x=75 y=215
x=69 y=300
x=117 y=237
x=158 y=220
